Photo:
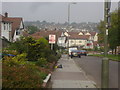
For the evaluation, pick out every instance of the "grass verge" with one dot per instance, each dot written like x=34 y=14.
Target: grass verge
x=111 y=57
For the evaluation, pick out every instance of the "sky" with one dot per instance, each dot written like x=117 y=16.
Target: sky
x=57 y=11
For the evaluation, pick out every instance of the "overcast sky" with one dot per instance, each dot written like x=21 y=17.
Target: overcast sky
x=56 y=11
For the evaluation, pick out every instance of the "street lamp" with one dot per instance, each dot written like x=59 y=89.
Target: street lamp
x=69 y=4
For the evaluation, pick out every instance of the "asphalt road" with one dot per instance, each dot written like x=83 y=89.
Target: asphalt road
x=92 y=67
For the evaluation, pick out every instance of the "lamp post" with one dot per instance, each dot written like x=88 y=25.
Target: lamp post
x=105 y=60
x=69 y=4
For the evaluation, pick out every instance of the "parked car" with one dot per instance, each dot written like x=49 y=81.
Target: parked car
x=75 y=53
x=83 y=52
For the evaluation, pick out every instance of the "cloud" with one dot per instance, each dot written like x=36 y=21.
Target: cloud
x=36 y=5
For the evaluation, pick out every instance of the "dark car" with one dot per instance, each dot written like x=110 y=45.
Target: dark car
x=75 y=53
x=83 y=52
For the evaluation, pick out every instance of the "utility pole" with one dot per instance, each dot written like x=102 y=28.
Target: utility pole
x=105 y=60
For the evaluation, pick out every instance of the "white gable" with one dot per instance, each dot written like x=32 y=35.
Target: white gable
x=66 y=34
x=80 y=33
x=87 y=33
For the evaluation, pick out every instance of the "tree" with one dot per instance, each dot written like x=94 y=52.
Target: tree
x=101 y=28
x=113 y=31
x=113 y=36
x=32 y=29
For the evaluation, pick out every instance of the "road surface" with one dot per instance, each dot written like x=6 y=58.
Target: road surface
x=92 y=66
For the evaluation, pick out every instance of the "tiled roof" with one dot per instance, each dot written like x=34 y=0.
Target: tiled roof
x=25 y=34
x=79 y=37
x=92 y=33
x=75 y=35
x=46 y=33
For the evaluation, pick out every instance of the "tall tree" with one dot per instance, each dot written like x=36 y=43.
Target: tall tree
x=114 y=31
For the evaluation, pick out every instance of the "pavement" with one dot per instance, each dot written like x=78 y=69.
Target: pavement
x=70 y=75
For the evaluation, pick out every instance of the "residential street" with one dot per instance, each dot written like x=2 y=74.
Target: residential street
x=60 y=44
x=70 y=76
x=92 y=67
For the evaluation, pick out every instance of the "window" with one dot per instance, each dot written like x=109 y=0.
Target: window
x=9 y=27
x=4 y=26
x=71 y=41
x=17 y=32
x=80 y=41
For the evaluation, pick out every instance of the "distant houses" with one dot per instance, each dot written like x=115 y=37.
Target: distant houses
x=11 y=27
x=86 y=40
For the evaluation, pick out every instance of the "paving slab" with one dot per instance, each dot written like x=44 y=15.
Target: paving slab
x=68 y=76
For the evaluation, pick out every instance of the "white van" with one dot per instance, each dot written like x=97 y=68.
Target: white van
x=71 y=49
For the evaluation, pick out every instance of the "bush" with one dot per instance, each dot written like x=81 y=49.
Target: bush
x=41 y=62
x=17 y=60
x=52 y=58
x=10 y=52
x=58 y=56
x=22 y=77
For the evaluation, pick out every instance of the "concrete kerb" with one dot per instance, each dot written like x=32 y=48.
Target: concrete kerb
x=46 y=80
x=48 y=77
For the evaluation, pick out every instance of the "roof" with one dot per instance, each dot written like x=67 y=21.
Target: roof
x=86 y=37
x=25 y=34
x=75 y=35
x=46 y=33
x=92 y=33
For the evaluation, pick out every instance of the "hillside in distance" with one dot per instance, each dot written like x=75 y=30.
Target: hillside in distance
x=83 y=26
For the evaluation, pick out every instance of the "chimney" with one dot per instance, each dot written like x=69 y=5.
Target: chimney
x=6 y=14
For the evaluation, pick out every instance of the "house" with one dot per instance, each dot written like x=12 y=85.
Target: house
x=86 y=40
x=62 y=40
x=81 y=39
x=5 y=28
x=15 y=27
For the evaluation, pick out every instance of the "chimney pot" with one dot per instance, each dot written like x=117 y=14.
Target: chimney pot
x=6 y=14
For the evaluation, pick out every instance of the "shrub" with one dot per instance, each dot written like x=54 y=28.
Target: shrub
x=17 y=60
x=52 y=58
x=41 y=62
x=22 y=77
x=10 y=52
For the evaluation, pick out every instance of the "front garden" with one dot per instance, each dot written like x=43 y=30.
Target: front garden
x=33 y=60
